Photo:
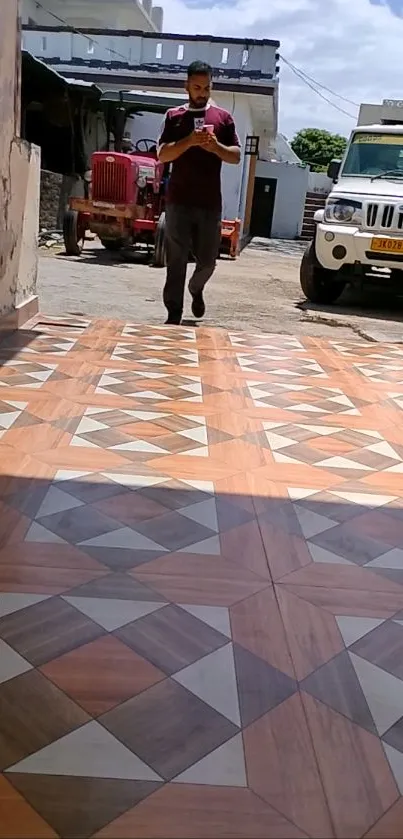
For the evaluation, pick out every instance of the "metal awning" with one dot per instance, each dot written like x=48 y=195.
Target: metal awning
x=37 y=74
x=144 y=101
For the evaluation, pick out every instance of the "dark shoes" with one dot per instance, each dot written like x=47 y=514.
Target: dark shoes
x=174 y=318
x=198 y=305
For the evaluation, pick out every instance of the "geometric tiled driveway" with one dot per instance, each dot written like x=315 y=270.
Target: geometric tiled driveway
x=201 y=585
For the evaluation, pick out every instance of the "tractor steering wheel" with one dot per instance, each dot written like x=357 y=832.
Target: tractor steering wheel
x=149 y=145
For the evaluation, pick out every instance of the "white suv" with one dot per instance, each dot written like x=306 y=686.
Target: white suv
x=361 y=227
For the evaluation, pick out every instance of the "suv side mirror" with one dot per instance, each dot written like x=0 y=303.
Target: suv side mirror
x=333 y=169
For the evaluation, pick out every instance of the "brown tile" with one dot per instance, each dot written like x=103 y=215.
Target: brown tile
x=174 y=531
x=121 y=559
x=342 y=576
x=102 y=674
x=79 y=524
x=18 y=820
x=341 y=601
x=13 y=525
x=47 y=629
x=169 y=728
x=312 y=634
x=257 y=625
x=77 y=807
x=336 y=685
x=24 y=726
x=285 y=552
x=244 y=546
x=34 y=580
x=181 y=811
x=282 y=768
x=130 y=508
x=118 y=586
x=198 y=579
x=389 y=826
x=357 y=779
x=42 y=555
x=171 y=638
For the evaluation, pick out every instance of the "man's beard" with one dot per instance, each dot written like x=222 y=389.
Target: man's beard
x=198 y=104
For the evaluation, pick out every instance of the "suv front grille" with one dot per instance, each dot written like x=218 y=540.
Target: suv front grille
x=383 y=217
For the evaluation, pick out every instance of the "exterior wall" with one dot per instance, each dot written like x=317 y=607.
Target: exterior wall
x=376 y=114
x=292 y=183
x=19 y=186
x=320 y=183
x=101 y=14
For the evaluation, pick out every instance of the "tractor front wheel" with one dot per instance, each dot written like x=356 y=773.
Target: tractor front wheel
x=73 y=233
x=112 y=244
x=160 y=253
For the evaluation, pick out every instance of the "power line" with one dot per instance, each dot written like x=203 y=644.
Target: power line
x=88 y=38
x=308 y=82
x=319 y=84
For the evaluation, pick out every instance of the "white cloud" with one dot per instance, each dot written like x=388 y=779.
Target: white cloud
x=352 y=46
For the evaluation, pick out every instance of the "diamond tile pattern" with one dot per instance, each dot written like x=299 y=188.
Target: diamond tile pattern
x=201 y=605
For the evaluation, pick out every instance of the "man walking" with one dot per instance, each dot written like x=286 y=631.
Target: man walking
x=197 y=138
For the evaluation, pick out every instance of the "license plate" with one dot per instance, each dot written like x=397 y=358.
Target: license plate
x=387 y=245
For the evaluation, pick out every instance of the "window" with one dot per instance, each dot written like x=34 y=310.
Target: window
x=158 y=51
x=252 y=146
x=224 y=57
x=245 y=58
x=181 y=52
x=90 y=47
x=44 y=43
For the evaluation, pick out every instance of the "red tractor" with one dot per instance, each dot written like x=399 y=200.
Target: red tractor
x=125 y=191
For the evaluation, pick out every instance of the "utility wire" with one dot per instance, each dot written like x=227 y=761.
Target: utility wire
x=78 y=31
x=307 y=81
x=319 y=84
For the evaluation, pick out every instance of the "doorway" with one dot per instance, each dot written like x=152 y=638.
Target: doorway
x=264 y=196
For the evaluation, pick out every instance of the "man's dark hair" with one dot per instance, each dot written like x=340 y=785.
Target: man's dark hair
x=199 y=68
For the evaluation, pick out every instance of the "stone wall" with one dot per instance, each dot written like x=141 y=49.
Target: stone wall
x=49 y=209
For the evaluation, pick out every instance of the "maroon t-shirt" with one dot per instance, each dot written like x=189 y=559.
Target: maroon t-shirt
x=196 y=175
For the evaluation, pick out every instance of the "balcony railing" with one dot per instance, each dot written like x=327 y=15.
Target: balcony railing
x=138 y=54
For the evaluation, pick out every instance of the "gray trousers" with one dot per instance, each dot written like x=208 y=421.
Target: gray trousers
x=189 y=229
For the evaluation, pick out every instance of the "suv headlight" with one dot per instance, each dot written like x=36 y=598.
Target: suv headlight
x=343 y=211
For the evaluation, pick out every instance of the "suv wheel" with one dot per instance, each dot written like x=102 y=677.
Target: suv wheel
x=317 y=283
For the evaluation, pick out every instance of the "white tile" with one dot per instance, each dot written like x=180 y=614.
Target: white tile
x=6 y=420
x=391 y=559
x=283 y=458
x=213 y=680
x=112 y=613
x=205 y=513
x=215 y=616
x=323 y=430
x=38 y=533
x=343 y=463
x=312 y=523
x=364 y=499
x=277 y=442
x=352 y=628
x=148 y=394
x=303 y=407
x=90 y=752
x=319 y=554
x=395 y=759
x=298 y=493
x=223 y=767
x=11 y=663
x=57 y=501
x=125 y=537
x=139 y=446
x=203 y=486
x=209 y=547
x=82 y=443
x=12 y=601
x=87 y=425
x=199 y=434
x=200 y=452
x=384 y=449
x=70 y=475
x=383 y=692
x=134 y=481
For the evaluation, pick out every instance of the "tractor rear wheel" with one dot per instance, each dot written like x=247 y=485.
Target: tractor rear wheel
x=160 y=252
x=73 y=233
x=112 y=244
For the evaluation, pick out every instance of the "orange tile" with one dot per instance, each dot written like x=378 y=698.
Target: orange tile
x=17 y=818
x=357 y=779
x=282 y=768
x=257 y=625
x=244 y=546
x=389 y=826
x=179 y=811
x=312 y=633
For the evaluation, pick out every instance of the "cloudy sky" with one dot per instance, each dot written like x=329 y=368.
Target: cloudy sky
x=354 y=47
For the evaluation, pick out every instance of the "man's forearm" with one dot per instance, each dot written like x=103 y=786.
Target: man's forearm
x=168 y=152
x=228 y=154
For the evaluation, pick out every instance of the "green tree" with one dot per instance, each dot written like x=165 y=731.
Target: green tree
x=318 y=147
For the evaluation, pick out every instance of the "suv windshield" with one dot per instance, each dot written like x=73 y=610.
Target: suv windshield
x=374 y=155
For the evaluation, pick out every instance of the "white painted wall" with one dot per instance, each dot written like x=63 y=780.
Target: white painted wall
x=233 y=183
x=319 y=182
x=292 y=182
x=102 y=14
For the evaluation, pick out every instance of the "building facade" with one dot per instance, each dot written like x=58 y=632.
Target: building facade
x=390 y=112
x=245 y=83
x=19 y=186
x=100 y=14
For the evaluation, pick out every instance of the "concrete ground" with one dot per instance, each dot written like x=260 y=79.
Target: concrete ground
x=259 y=291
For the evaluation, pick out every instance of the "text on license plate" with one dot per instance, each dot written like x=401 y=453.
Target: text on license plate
x=386 y=245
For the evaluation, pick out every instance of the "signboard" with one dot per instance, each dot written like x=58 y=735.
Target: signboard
x=378 y=139
x=393 y=103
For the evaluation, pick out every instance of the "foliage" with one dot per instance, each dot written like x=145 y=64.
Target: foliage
x=318 y=147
